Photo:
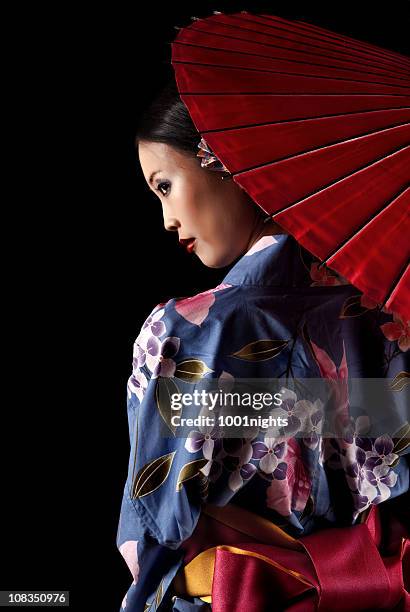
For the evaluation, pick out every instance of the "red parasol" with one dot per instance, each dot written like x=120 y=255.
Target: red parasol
x=315 y=126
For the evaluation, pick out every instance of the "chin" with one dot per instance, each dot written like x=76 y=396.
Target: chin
x=216 y=262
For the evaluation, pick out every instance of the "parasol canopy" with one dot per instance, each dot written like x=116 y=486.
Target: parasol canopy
x=315 y=126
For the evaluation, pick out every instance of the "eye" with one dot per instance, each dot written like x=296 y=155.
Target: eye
x=163 y=185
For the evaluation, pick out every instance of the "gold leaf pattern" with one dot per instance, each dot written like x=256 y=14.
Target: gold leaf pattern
x=395 y=462
x=152 y=475
x=352 y=307
x=136 y=446
x=401 y=380
x=402 y=439
x=191 y=370
x=159 y=594
x=189 y=470
x=261 y=350
x=164 y=389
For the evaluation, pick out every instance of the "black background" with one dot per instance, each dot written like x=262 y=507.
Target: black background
x=86 y=257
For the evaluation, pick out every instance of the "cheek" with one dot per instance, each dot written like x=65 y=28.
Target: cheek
x=220 y=218
x=188 y=204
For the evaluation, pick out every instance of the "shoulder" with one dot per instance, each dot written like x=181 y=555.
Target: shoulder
x=194 y=312
x=190 y=329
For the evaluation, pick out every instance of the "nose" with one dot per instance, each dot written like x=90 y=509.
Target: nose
x=171 y=225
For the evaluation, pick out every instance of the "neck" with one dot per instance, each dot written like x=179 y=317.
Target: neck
x=262 y=228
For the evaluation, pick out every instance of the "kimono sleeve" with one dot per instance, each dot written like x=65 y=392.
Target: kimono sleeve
x=156 y=513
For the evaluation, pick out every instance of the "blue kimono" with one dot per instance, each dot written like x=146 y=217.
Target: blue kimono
x=275 y=314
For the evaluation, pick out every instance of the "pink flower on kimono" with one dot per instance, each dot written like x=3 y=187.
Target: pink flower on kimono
x=297 y=475
x=398 y=330
x=337 y=378
x=279 y=497
x=367 y=302
x=269 y=454
x=370 y=304
x=243 y=470
x=195 y=309
x=129 y=551
x=324 y=277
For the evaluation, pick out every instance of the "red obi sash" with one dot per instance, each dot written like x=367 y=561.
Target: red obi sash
x=239 y=561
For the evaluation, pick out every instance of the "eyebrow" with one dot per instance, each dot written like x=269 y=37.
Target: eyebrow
x=152 y=176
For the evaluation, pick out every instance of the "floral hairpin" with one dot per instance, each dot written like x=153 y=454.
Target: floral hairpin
x=209 y=159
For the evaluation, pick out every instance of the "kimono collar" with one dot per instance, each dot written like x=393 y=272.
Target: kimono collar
x=274 y=260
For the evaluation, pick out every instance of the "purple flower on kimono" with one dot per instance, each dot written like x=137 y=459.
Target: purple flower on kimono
x=290 y=411
x=147 y=346
x=355 y=428
x=164 y=364
x=358 y=468
x=158 y=356
x=138 y=356
x=299 y=415
x=313 y=423
x=369 y=480
x=381 y=452
x=313 y=439
x=203 y=439
x=146 y=352
x=137 y=383
x=153 y=325
x=384 y=479
x=360 y=503
x=268 y=453
x=243 y=470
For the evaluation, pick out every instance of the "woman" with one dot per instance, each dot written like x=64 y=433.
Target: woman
x=275 y=315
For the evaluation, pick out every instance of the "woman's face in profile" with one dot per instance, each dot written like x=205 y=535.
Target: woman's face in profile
x=196 y=203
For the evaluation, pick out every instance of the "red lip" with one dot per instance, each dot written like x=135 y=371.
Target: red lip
x=188 y=243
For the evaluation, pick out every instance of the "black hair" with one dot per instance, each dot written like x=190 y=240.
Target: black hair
x=167 y=120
